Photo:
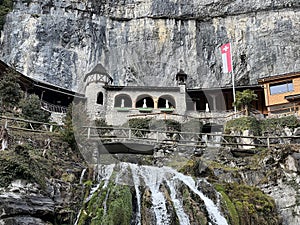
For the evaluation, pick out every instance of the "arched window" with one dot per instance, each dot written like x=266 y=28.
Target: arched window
x=166 y=101
x=100 y=98
x=144 y=101
x=123 y=100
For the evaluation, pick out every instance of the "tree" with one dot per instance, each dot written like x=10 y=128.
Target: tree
x=74 y=121
x=244 y=100
x=10 y=90
x=5 y=7
x=68 y=131
x=31 y=109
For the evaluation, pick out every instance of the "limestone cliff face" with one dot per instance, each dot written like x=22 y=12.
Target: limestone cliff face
x=145 y=42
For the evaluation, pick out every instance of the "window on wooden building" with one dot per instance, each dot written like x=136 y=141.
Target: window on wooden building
x=282 y=87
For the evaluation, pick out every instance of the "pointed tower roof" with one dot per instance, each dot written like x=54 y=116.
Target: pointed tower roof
x=98 y=69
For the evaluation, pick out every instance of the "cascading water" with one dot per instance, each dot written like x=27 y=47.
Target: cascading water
x=163 y=184
x=136 y=181
x=82 y=175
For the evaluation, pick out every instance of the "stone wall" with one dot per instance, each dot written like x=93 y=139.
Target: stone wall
x=118 y=116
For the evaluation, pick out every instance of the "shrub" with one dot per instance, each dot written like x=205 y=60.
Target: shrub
x=74 y=121
x=166 y=125
x=275 y=125
x=18 y=164
x=31 y=109
x=10 y=90
x=243 y=123
x=139 y=123
x=244 y=100
x=102 y=123
x=5 y=7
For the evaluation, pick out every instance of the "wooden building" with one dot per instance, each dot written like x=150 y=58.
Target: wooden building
x=54 y=98
x=282 y=93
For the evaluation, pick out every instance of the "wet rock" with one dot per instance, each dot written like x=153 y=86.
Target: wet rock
x=22 y=198
x=23 y=220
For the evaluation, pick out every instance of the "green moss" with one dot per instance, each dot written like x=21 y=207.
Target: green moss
x=18 y=164
x=188 y=167
x=118 y=206
x=217 y=165
x=246 y=203
x=233 y=214
x=119 y=203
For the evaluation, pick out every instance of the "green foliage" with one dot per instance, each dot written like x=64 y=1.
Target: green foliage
x=243 y=123
x=31 y=109
x=10 y=90
x=139 y=123
x=273 y=125
x=19 y=165
x=270 y=125
x=5 y=7
x=119 y=206
x=119 y=203
x=167 y=125
x=74 y=121
x=233 y=215
x=68 y=133
x=102 y=123
x=244 y=99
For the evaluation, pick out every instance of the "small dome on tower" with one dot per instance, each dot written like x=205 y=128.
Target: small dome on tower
x=181 y=77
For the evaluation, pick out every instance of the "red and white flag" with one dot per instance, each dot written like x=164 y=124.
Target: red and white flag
x=226 y=58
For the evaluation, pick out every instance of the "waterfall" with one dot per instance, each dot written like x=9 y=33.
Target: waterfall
x=136 y=180
x=183 y=218
x=82 y=175
x=77 y=218
x=154 y=179
x=212 y=209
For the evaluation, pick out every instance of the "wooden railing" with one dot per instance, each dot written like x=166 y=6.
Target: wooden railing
x=120 y=134
x=53 y=108
x=169 y=137
x=28 y=125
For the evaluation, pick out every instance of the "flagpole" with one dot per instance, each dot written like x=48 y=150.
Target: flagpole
x=232 y=74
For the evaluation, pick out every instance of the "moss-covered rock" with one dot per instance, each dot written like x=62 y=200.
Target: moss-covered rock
x=110 y=205
x=19 y=164
x=247 y=205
